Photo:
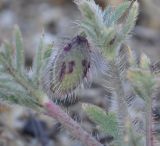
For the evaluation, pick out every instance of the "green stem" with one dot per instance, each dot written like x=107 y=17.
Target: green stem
x=122 y=113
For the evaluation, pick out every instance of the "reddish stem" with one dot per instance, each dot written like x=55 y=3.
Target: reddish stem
x=149 y=133
x=57 y=113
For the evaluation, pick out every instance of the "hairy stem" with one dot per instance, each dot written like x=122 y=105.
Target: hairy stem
x=122 y=111
x=149 y=136
x=56 y=112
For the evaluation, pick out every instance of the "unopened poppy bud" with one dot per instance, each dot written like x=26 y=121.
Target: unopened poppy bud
x=68 y=68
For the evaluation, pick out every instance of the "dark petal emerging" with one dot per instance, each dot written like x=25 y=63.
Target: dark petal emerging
x=68 y=68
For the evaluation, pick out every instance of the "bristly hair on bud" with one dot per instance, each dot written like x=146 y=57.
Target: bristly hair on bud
x=68 y=68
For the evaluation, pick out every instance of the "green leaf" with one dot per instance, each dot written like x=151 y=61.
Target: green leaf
x=12 y=92
x=43 y=52
x=4 y=77
x=130 y=20
x=19 y=50
x=123 y=60
x=48 y=51
x=111 y=15
x=106 y=121
x=91 y=11
x=19 y=98
x=38 y=61
x=107 y=16
x=93 y=16
x=102 y=27
x=8 y=51
x=144 y=61
x=1 y=68
x=142 y=82
x=120 y=10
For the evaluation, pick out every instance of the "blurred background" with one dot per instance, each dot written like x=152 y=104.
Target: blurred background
x=55 y=18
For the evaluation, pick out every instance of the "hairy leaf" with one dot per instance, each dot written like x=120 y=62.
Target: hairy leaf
x=38 y=61
x=130 y=21
x=19 y=50
x=106 y=121
x=112 y=15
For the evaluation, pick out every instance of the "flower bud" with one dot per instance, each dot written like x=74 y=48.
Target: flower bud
x=68 y=68
x=144 y=61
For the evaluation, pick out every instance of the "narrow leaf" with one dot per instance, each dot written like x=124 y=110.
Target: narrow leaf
x=38 y=61
x=111 y=15
x=8 y=51
x=19 y=50
x=130 y=20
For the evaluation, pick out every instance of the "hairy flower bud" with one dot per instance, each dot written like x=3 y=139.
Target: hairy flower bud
x=68 y=68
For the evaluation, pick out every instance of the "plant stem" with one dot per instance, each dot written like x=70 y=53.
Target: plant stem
x=122 y=113
x=56 y=112
x=149 y=136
